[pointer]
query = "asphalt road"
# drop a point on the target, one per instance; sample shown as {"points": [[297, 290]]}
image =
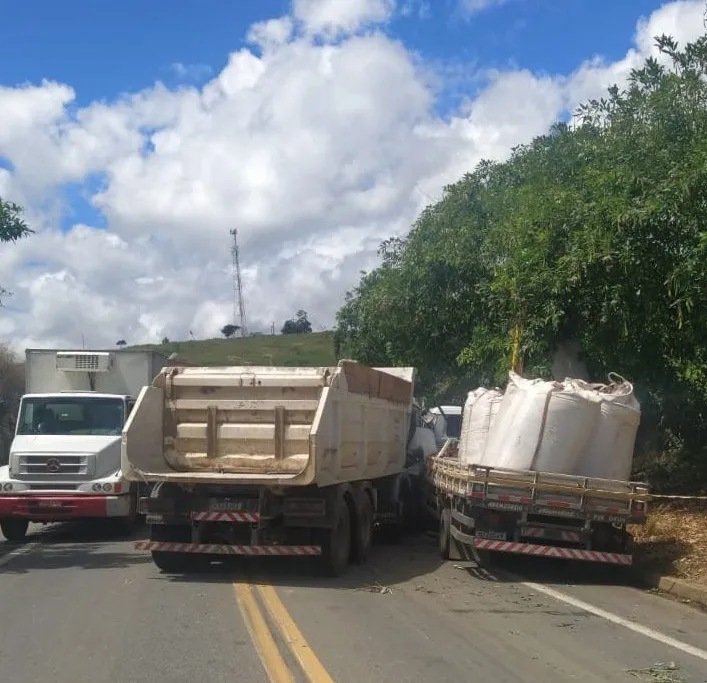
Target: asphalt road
{"points": [[77, 605]]}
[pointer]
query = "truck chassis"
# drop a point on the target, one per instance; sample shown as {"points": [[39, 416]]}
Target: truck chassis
{"points": [[192, 526], [483, 510]]}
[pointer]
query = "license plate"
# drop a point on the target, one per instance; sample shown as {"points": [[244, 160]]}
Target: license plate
{"points": [[492, 535], [228, 505], [50, 504]]}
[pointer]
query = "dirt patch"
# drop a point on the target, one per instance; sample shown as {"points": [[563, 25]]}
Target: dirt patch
{"points": [[673, 542]]}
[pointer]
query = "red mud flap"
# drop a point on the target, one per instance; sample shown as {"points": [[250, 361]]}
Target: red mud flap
{"points": [[552, 551], [222, 549]]}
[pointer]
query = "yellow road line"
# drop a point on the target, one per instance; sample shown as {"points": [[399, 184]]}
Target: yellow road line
{"points": [[299, 647], [275, 667]]}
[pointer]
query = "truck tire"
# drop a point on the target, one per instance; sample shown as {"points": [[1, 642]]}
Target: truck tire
{"points": [[445, 534], [14, 530], [176, 563], [336, 548], [364, 530], [179, 563]]}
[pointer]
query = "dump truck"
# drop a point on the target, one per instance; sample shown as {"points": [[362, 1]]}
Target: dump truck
{"points": [[298, 461], [64, 461]]}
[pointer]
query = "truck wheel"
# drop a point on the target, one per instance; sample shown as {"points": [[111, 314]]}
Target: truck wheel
{"points": [[445, 537], [179, 563], [14, 530], [176, 563], [336, 550], [364, 530]]}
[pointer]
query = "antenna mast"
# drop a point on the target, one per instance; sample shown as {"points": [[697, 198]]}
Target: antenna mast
{"points": [[238, 299]]}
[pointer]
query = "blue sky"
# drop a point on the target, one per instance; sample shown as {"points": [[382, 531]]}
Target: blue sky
{"points": [[104, 48], [271, 147]]}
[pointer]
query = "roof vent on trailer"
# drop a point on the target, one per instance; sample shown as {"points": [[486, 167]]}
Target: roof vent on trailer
{"points": [[83, 361]]}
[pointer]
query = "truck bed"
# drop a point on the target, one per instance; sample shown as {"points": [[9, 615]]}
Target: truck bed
{"points": [[270, 425], [539, 493]]}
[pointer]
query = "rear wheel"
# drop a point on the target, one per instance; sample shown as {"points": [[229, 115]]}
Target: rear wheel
{"points": [[176, 562], [445, 537], [14, 530], [364, 530], [336, 550]]}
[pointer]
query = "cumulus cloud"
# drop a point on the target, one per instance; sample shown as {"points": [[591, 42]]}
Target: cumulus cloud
{"points": [[316, 150], [471, 7], [333, 17]]}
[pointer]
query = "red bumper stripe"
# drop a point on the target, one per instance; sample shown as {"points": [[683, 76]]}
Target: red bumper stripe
{"points": [[222, 549], [49, 508], [553, 551]]}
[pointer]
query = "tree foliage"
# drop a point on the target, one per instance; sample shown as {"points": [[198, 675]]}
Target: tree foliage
{"points": [[593, 234], [12, 228], [297, 325], [229, 330]]}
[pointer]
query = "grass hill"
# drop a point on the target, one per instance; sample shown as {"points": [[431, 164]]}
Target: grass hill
{"points": [[316, 348]]}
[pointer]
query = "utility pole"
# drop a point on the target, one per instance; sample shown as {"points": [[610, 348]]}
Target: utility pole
{"points": [[238, 298]]}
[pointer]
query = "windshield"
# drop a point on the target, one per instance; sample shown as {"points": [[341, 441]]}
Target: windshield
{"points": [[71, 416], [454, 425]]}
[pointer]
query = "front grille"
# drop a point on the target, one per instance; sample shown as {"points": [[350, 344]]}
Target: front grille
{"points": [[53, 465], [56, 486]]}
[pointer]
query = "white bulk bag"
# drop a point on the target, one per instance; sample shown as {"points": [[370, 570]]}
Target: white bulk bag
{"points": [[609, 454], [516, 428], [571, 421], [480, 409], [542, 425]]}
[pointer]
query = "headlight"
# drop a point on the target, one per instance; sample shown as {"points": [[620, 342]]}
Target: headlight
{"points": [[107, 487], [7, 486], [96, 487]]}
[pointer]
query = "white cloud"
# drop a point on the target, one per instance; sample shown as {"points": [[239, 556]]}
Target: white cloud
{"points": [[191, 72], [315, 151], [471, 7], [332, 17]]}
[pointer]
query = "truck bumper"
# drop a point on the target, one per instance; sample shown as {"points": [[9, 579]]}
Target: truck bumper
{"points": [[553, 551], [48, 508]]}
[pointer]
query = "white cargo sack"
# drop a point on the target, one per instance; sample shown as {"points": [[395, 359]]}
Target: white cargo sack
{"points": [[480, 409], [542, 426], [609, 454]]}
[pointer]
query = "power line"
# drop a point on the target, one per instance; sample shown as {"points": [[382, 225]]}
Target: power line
{"points": [[238, 298]]}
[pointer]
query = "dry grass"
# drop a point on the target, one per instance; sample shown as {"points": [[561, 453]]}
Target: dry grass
{"points": [[674, 541]]}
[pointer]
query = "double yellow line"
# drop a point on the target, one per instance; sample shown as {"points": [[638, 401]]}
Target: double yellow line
{"points": [[268, 651]]}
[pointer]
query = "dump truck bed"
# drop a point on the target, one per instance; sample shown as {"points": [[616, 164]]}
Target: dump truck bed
{"points": [[269, 425]]}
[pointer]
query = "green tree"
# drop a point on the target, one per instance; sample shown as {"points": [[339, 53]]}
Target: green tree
{"points": [[229, 330], [12, 228], [593, 233], [298, 325]]}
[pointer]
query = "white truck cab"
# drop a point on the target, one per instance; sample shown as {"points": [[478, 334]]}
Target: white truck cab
{"points": [[448, 422], [64, 461]]}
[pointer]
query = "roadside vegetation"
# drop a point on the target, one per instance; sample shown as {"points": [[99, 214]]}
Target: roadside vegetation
{"points": [[314, 348], [592, 237]]}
